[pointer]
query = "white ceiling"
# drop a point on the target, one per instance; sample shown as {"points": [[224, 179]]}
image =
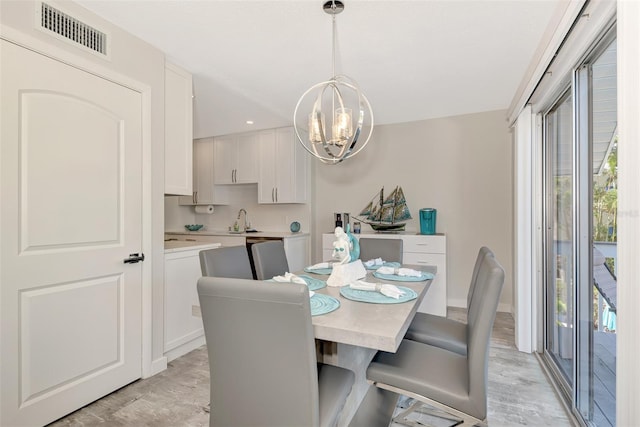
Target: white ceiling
{"points": [[414, 60]]}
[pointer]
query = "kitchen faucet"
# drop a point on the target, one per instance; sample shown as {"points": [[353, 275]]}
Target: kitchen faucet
{"points": [[247, 224]]}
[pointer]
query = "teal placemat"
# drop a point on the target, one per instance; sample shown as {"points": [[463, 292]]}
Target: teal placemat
{"points": [[384, 264], [425, 276], [323, 304], [325, 271], [376, 297], [314, 284]]}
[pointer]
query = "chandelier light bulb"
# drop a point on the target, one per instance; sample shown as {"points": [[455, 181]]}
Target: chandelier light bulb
{"points": [[316, 127], [342, 130]]}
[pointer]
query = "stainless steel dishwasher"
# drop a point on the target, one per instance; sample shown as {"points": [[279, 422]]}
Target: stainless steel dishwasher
{"points": [[253, 240]]}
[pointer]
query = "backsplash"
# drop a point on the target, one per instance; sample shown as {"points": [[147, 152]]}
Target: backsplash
{"points": [[263, 217]]}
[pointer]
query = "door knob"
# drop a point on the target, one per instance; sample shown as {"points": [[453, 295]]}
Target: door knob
{"points": [[134, 258]]}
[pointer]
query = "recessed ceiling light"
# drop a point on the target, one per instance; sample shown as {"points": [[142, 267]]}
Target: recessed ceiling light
{"points": [[249, 122]]}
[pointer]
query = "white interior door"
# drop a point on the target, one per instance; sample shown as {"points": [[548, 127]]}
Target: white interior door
{"points": [[71, 187]]}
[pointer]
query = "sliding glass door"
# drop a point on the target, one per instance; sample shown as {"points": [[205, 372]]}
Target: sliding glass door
{"points": [[580, 145], [596, 108], [559, 240]]}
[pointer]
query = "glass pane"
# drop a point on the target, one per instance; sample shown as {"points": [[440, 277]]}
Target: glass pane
{"points": [[560, 271], [596, 394]]}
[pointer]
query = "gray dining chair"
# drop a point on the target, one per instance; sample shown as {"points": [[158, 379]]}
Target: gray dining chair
{"points": [[262, 356], [442, 332], [231, 261], [269, 259], [448, 381], [390, 250]]}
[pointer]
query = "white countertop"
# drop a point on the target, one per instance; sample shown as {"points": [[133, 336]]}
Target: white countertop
{"points": [[179, 246], [277, 234]]}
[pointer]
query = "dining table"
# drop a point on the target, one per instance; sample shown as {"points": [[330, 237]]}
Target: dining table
{"points": [[351, 334]]}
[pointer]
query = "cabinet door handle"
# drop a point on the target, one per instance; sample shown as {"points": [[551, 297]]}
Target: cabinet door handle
{"points": [[195, 196], [273, 198], [276, 194]]}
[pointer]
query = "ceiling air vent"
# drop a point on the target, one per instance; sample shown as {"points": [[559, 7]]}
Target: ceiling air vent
{"points": [[70, 28]]}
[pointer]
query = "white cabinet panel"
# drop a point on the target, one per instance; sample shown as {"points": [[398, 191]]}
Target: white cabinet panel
{"points": [[236, 159], [247, 160], [183, 329], [204, 192], [224, 154], [424, 244], [182, 271], [178, 131], [435, 301], [284, 167]]}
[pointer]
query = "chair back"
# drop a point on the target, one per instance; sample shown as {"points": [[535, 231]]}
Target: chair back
{"points": [[390, 250], [231, 261], [261, 353], [269, 259], [481, 315], [484, 251]]}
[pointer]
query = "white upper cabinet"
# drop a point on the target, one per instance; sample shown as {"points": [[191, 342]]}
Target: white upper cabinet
{"points": [[284, 167], [178, 131], [236, 159], [204, 192]]}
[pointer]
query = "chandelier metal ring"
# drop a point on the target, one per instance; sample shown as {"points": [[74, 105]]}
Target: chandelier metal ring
{"points": [[326, 155], [344, 140]]}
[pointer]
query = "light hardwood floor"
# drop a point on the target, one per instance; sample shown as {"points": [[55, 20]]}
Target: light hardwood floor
{"points": [[519, 392]]}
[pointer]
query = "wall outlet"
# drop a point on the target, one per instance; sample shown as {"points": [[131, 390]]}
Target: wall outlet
{"points": [[195, 311]]}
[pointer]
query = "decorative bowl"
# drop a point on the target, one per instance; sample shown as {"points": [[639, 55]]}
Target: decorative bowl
{"points": [[193, 227]]}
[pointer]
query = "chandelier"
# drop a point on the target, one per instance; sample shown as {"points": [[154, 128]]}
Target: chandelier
{"points": [[347, 110]]}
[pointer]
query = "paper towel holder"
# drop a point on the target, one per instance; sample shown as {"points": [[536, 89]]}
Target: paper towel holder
{"points": [[204, 209]]}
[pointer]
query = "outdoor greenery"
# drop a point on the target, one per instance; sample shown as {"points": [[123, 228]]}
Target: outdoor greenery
{"points": [[605, 200], [605, 210]]}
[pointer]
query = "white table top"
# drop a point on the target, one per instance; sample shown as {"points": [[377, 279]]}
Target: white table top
{"points": [[376, 326]]}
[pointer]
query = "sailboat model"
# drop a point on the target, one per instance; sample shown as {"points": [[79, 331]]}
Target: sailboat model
{"points": [[386, 214]]}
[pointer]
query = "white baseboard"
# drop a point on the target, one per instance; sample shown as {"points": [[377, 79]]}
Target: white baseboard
{"points": [[157, 366], [459, 303], [184, 348]]}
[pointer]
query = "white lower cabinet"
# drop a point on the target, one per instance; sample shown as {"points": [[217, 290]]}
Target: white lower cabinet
{"points": [[183, 330], [417, 249]]}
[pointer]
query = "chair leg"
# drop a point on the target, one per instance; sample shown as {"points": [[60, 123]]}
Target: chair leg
{"points": [[421, 408], [438, 410]]}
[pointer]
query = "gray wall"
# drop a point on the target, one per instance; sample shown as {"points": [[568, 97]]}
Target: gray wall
{"points": [[461, 165]]}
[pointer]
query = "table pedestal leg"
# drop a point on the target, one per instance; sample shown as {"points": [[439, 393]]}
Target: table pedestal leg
{"points": [[350, 357]]}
